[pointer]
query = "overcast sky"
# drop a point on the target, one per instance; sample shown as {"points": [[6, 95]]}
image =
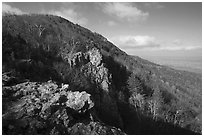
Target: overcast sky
{"points": [[143, 29]]}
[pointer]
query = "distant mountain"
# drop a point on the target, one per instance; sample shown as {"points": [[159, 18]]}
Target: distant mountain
{"points": [[191, 64], [61, 78]]}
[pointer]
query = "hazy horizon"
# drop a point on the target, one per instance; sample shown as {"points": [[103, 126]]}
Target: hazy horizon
{"points": [[180, 63]]}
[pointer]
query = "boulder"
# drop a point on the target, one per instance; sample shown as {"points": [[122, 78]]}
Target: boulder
{"points": [[79, 101]]}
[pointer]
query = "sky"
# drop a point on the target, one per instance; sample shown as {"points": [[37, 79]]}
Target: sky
{"points": [[168, 29]]}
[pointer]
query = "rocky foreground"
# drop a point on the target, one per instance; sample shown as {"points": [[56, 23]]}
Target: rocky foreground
{"points": [[48, 108]]}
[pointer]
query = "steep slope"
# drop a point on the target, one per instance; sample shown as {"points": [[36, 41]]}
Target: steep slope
{"points": [[135, 95]]}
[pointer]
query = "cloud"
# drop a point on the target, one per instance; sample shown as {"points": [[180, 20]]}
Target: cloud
{"points": [[70, 14], [173, 47], [136, 42], [181, 47], [67, 13], [177, 42], [155, 5], [11, 10], [111, 23], [125, 11], [150, 43]]}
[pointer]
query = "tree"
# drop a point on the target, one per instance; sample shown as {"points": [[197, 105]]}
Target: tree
{"points": [[134, 84], [155, 103], [137, 100]]}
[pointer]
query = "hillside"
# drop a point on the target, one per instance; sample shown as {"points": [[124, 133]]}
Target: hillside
{"points": [[47, 62]]}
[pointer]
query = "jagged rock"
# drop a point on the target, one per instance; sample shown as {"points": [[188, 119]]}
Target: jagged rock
{"points": [[24, 89], [48, 88], [91, 65], [79, 58], [40, 105], [96, 70], [46, 108], [79, 101], [95, 57], [64, 87], [76, 59], [93, 128]]}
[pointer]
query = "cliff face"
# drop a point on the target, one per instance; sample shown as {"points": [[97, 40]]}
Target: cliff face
{"points": [[60, 78], [91, 65]]}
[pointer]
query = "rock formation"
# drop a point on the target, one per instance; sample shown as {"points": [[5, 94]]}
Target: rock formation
{"points": [[91, 64], [46, 108]]}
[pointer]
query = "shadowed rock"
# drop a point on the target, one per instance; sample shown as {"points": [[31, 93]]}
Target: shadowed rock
{"points": [[45, 108]]}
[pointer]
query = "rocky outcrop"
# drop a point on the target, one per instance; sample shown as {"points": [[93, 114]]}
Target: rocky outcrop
{"points": [[77, 59], [79, 101], [94, 128], [47, 108], [95, 57], [97, 70], [92, 66]]}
